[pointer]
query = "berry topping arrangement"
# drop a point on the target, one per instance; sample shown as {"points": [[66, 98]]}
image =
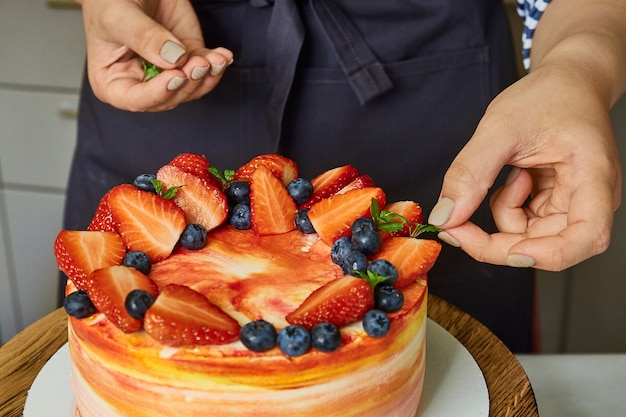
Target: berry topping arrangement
{"points": [[374, 246]]}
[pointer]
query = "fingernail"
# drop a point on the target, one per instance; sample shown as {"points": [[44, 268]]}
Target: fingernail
{"points": [[217, 69], [199, 72], [441, 212], [175, 83], [520, 261], [445, 237], [171, 51], [512, 175]]}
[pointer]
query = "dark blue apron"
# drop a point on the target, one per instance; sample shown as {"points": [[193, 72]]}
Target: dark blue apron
{"points": [[395, 87]]}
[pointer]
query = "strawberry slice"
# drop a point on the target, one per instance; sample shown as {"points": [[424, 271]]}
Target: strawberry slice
{"points": [[340, 302], [330, 182], [182, 316], [103, 219], [197, 165], [283, 168], [147, 222], [361, 181], [272, 210], [79, 253], [410, 210], [332, 218], [108, 288], [202, 202], [412, 257]]}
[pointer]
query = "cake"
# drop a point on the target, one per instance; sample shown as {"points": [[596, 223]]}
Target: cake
{"points": [[195, 292]]}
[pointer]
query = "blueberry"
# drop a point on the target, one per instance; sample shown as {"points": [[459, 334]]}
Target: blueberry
{"points": [[376, 323], [138, 302], [362, 224], [258, 336], [340, 249], [303, 223], [78, 304], [300, 190], [193, 237], [240, 217], [367, 241], [325, 337], [388, 298], [384, 268], [138, 260], [144, 182], [355, 261], [294, 340], [238, 192]]}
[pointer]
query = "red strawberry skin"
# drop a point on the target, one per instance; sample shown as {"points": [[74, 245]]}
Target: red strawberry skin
{"points": [[182, 316], [412, 257], [332, 217], [79, 253], [147, 222], [330, 182], [103, 219], [197, 165], [361, 181], [272, 210], [281, 167], [202, 202], [340, 302], [108, 288]]}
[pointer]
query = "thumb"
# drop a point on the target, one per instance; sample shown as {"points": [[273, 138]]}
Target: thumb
{"points": [[467, 181]]}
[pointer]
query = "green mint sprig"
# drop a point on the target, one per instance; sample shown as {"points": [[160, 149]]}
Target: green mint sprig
{"points": [[372, 278], [385, 221], [150, 70], [225, 177], [167, 193]]}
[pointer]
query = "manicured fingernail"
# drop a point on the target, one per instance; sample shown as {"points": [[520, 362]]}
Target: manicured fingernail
{"points": [[520, 261], [217, 69], [171, 51], [445, 237], [512, 175], [198, 73], [441, 212], [175, 83]]}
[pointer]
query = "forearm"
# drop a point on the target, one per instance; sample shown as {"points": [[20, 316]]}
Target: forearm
{"points": [[586, 39]]}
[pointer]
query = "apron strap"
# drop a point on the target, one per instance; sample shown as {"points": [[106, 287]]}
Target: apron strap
{"points": [[365, 73]]}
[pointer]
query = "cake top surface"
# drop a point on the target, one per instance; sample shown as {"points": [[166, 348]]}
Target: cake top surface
{"points": [[192, 257]]}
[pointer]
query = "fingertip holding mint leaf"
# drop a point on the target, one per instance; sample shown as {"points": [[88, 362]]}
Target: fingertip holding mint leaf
{"points": [[150, 70]]}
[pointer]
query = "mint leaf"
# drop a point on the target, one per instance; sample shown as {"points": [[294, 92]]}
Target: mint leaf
{"points": [[372, 278], [167, 193], [424, 228], [150, 70], [225, 176]]}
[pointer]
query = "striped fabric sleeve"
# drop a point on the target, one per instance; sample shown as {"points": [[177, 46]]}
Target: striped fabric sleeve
{"points": [[530, 11]]}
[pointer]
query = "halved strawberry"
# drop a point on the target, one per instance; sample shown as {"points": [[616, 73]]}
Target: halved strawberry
{"points": [[332, 217], [331, 181], [197, 165], [283, 168], [147, 222], [108, 288], [202, 202], [340, 301], [182, 316], [80, 252], [272, 210], [361, 181], [102, 219], [412, 257], [410, 210]]}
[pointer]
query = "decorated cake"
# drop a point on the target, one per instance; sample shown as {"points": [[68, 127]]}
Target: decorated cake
{"points": [[247, 292]]}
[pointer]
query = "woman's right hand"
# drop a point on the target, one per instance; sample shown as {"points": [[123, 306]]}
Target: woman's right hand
{"points": [[123, 34]]}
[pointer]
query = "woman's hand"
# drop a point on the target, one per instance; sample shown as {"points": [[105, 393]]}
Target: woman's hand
{"points": [[553, 126], [123, 34]]}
